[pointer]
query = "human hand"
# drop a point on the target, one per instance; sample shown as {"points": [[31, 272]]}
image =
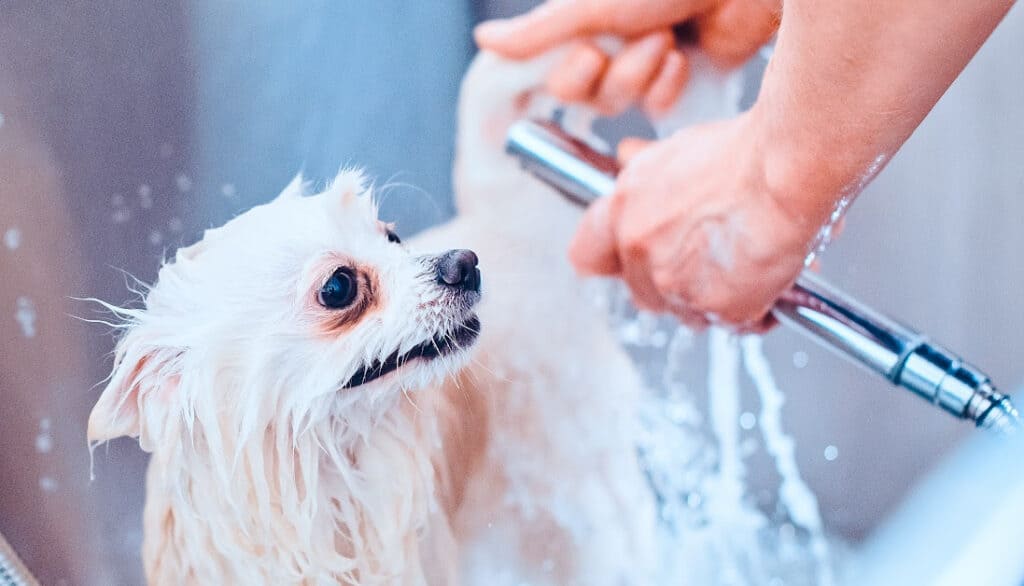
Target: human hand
{"points": [[649, 69], [702, 224]]}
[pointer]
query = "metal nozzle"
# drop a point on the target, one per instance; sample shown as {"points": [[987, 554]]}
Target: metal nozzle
{"points": [[902, 355], [996, 412], [562, 161], [813, 307]]}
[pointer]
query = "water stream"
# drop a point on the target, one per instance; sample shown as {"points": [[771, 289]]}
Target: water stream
{"points": [[698, 435], [694, 447]]}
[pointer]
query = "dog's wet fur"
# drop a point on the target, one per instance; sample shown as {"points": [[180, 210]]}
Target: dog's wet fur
{"points": [[411, 435]]}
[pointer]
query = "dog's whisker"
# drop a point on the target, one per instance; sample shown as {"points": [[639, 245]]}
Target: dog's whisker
{"points": [[490, 371], [387, 189], [408, 398], [476, 361]]}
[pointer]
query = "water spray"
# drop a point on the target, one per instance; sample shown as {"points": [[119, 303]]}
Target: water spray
{"points": [[811, 306]]}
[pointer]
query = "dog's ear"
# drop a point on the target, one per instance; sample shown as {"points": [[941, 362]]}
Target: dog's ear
{"points": [[295, 189], [348, 186], [349, 193], [136, 399]]}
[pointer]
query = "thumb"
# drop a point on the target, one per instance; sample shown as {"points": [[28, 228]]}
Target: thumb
{"points": [[735, 31], [593, 250], [630, 147], [546, 26]]}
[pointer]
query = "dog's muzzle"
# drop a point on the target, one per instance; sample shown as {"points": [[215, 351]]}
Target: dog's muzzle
{"points": [[458, 269], [457, 272]]}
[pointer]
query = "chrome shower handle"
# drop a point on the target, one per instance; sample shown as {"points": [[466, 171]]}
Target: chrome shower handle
{"points": [[811, 306]]}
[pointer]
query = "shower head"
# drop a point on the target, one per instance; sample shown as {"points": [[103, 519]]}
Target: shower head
{"points": [[812, 306]]}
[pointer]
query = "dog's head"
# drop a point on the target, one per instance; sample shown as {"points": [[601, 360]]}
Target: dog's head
{"points": [[300, 299]]}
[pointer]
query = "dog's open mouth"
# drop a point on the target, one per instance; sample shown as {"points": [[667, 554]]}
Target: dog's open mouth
{"points": [[462, 336]]}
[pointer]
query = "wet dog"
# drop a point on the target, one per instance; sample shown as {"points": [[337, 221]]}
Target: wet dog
{"points": [[277, 372], [302, 381]]}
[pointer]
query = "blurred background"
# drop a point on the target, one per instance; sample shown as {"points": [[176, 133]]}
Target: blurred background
{"points": [[129, 126]]}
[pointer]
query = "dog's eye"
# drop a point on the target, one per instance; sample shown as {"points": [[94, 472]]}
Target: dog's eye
{"points": [[392, 237], [339, 291]]}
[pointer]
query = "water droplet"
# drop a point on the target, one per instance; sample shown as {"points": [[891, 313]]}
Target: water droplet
{"points": [[166, 150], [48, 484], [121, 215], [117, 200], [25, 314], [2, 119], [694, 500], [44, 423], [227, 190], [175, 224], [156, 237], [44, 443], [831, 453], [800, 359], [183, 182], [145, 190], [548, 565], [748, 420], [12, 238]]}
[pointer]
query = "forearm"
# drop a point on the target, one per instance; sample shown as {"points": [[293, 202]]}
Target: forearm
{"points": [[850, 81]]}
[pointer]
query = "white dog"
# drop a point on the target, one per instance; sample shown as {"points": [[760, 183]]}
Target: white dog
{"points": [[267, 374], [278, 374]]}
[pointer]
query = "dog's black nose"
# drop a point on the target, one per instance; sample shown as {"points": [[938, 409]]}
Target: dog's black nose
{"points": [[457, 268]]}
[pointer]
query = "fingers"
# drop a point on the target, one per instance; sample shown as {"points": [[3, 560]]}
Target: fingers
{"points": [[546, 26], [730, 33], [558, 21], [593, 249], [668, 85], [631, 72], [636, 273], [737, 29], [649, 70], [577, 76]]}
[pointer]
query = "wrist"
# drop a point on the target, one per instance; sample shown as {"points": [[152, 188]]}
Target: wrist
{"points": [[806, 171]]}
